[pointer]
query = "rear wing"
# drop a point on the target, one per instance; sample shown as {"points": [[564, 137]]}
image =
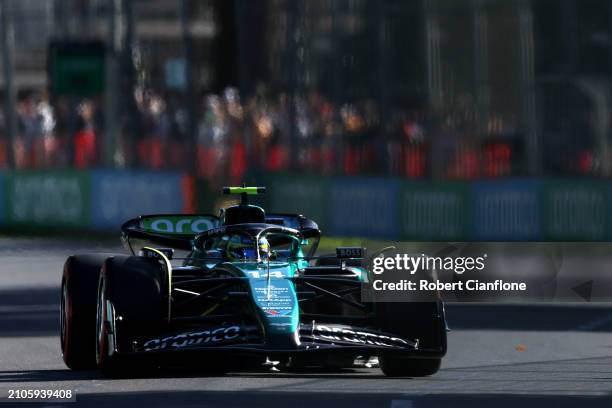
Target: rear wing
{"points": [[168, 230], [178, 230]]}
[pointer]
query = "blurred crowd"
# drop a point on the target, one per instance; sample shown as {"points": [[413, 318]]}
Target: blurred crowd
{"points": [[52, 135], [266, 131]]}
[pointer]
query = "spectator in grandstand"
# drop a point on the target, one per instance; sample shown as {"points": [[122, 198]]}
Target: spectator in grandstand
{"points": [[85, 143], [29, 132], [49, 146]]}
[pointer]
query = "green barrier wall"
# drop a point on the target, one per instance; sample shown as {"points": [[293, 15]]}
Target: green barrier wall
{"points": [[549, 210], [49, 199], [545, 210], [575, 210], [433, 211]]}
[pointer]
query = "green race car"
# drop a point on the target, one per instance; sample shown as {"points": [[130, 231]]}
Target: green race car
{"points": [[233, 292]]}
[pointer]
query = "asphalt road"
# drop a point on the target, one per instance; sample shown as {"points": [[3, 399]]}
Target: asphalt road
{"points": [[499, 355]]}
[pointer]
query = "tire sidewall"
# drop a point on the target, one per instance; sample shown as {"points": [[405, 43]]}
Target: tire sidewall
{"points": [[78, 300], [131, 287]]}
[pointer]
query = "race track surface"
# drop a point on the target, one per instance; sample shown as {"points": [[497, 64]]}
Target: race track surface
{"points": [[499, 356]]}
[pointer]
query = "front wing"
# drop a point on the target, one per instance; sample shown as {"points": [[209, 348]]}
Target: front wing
{"points": [[316, 340]]}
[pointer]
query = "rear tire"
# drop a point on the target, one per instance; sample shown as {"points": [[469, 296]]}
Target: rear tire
{"points": [[78, 310], [409, 367], [129, 302]]}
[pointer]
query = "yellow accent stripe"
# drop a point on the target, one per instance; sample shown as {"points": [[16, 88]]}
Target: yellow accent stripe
{"points": [[212, 308], [209, 310], [169, 269]]}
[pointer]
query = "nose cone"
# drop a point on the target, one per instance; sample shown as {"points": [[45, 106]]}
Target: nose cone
{"points": [[277, 306]]}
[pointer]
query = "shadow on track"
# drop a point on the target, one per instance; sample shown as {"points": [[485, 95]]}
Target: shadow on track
{"points": [[265, 399], [29, 312], [56, 376], [184, 372]]}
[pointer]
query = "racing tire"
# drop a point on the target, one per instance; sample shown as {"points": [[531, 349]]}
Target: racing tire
{"points": [[129, 301], [392, 366], [424, 321], [78, 310]]}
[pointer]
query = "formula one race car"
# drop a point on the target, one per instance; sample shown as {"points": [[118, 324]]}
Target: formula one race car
{"points": [[248, 291]]}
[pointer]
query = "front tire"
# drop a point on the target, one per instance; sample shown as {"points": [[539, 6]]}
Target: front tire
{"points": [[129, 302], [409, 367], [424, 321], [78, 310]]}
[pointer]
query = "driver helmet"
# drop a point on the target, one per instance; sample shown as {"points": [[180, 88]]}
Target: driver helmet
{"points": [[264, 248]]}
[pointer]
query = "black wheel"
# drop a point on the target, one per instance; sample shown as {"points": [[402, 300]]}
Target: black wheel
{"points": [[78, 310], [422, 321], [129, 301], [393, 366]]}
